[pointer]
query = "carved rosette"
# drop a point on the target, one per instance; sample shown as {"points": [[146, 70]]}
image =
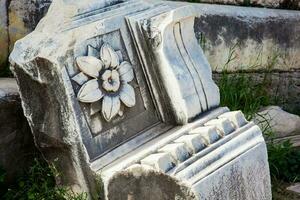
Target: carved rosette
{"points": [[108, 87]]}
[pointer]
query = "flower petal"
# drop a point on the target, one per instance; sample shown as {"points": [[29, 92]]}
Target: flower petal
{"points": [[109, 57], [115, 75], [110, 107], [127, 95], [92, 51], [89, 65], [115, 85], [90, 92], [80, 78], [96, 107], [121, 111], [126, 71]]}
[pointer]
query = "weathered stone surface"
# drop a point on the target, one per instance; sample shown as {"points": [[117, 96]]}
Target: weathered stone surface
{"points": [[122, 90], [221, 169], [140, 182], [23, 16], [4, 42], [281, 122], [249, 37], [17, 148], [241, 178]]}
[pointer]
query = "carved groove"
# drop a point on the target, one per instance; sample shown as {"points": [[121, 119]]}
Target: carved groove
{"points": [[184, 55]]}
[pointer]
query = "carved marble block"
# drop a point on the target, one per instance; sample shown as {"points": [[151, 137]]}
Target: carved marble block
{"points": [[122, 91]]}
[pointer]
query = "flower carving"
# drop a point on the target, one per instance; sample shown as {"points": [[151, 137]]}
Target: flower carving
{"points": [[108, 81]]}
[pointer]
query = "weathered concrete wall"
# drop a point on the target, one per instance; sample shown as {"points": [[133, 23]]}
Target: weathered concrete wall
{"points": [[17, 148], [283, 4], [253, 38]]}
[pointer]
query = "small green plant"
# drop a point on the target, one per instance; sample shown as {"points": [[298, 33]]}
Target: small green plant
{"points": [[284, 161], [39, 183], [239, 92]]}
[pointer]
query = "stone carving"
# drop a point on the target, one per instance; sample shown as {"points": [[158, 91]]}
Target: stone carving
{"points": [[174, 142], [109, 83]]}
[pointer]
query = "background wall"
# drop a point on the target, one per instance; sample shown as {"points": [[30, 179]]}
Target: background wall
{"points": [[283, 4], [17, 18]]}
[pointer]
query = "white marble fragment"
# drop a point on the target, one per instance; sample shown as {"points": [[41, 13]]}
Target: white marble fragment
{"points": [[209, 133], [225, 126], [160, 161], [236, 117], [194, 142], [177, 150]]}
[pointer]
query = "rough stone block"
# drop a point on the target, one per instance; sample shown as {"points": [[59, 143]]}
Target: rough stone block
{"points": [[281, 122], [17, 148], [114, 89], [248, 37]]}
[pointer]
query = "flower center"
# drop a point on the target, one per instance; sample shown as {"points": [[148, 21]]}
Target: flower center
{"points": [[111, 80]]}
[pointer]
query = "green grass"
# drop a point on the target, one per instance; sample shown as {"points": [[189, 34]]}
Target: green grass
{"points": [[38, 183], [284, 161], [239, 92]]}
